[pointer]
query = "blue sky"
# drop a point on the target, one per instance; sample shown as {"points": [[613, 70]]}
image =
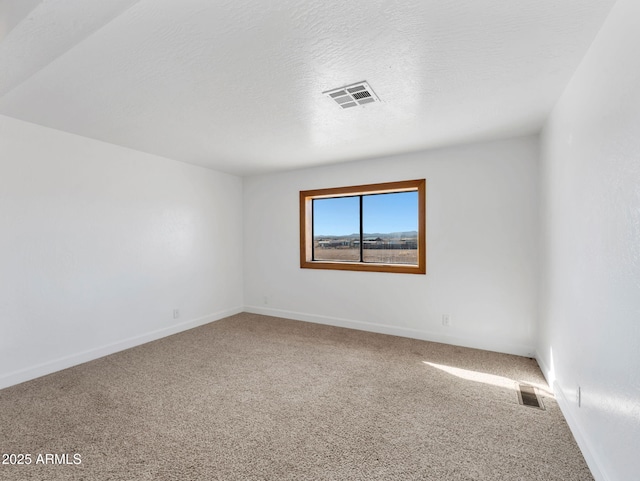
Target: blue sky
{"points": [[383, 213]]}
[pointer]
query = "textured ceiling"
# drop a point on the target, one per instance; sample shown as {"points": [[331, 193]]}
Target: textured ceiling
{"points": [[237, 85]]}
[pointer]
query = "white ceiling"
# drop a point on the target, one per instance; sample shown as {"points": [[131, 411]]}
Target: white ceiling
{"points": [[236, 85]]}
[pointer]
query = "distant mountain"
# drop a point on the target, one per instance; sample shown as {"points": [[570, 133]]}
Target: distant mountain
{"points": [[406, 235]]}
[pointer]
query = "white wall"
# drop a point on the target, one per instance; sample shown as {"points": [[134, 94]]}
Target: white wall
{"points": [[481, 249], [99, 244], [590, 283]]}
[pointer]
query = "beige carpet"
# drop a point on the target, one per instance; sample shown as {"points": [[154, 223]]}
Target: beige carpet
{"points": [[260, 398]]}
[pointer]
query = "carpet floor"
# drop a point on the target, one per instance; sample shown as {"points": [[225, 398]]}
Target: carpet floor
{"points": [[252, 397]]}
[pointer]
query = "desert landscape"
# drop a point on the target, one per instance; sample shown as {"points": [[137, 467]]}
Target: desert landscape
{"points": [[386, 256], [384, 248]]}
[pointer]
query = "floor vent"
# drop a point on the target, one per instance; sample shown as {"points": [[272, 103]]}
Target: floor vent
{"points": [[527, 396], [352, 95]]}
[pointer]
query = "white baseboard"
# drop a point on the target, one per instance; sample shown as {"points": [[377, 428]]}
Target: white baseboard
{"points": [[65, 362], [588, 452], [476, 342]]}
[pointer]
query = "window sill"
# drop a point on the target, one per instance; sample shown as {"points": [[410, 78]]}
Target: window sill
{"points": [[363, 266]]}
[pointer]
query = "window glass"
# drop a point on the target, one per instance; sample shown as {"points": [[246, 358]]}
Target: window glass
{"points": [[390, 228], [336, 227]]}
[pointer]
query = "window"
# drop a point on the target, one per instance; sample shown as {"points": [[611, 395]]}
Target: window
{"points": [[377, 227]]}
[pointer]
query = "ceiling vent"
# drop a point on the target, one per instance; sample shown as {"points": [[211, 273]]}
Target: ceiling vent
{"points": [[352, 95]]}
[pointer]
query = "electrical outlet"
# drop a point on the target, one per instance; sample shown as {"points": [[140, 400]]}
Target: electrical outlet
{"points": [[579, 396], [176, 313], [446, 320]]}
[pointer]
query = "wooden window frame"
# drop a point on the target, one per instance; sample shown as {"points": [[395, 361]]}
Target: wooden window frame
{"points": [[306, 227]]}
